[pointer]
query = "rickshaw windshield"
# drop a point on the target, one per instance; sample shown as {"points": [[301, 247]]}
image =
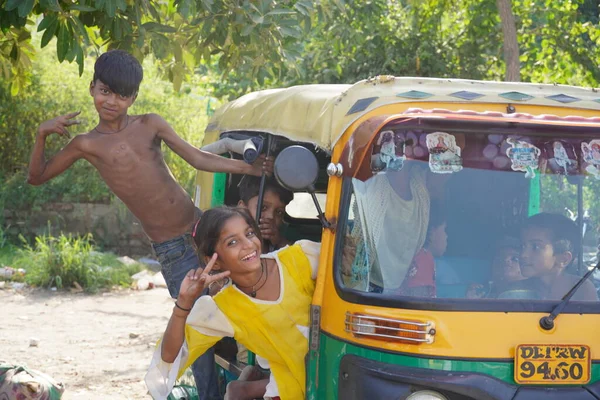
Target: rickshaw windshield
{"points": [[496, 214]]}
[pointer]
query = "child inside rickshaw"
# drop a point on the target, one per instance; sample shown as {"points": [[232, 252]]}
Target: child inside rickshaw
{"points": [[420, 278], [548, 247]]}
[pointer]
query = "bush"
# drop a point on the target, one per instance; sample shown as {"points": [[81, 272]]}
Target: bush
{"points": [[67, 261]]}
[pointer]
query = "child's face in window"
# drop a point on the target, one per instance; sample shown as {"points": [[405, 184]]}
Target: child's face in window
{"points": [[537, 254], [273, 208], [506, 265], [438, 240]]}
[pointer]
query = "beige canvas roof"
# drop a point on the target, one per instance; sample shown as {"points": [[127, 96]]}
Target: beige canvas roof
{"points": [[321, 113]]}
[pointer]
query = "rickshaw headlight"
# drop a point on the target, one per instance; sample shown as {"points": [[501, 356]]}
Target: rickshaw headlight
{"points": [[426, 395]]}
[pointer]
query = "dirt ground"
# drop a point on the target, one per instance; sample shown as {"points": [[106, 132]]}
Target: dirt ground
{"points": [[98, 345]]}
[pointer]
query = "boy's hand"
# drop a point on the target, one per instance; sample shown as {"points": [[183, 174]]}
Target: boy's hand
{"points": [[262, 164], [59, 125], [196, 281], [268, 230]]}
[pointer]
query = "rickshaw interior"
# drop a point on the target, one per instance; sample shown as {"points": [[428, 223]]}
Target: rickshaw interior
{"points": [[485, 178], [300, 220]]}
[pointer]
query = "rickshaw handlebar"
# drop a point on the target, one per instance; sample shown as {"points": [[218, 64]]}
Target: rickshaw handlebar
{"points": [[247, 148]]}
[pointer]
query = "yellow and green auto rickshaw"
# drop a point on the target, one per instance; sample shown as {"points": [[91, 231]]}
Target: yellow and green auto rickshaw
{"points": [[474, 316]]}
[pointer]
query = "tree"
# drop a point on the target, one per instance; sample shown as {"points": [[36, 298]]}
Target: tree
{"points": [[510, 43], [249, 37], [558, 41]]}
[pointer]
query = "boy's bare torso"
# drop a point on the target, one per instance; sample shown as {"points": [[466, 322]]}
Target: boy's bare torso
{"points": [[132, 165]]}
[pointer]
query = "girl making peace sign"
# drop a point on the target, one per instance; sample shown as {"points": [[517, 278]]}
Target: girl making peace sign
{"points": [[264, 305]]}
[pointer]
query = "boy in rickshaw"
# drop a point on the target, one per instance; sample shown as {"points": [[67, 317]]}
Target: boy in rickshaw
{"points": [[548, 246]]}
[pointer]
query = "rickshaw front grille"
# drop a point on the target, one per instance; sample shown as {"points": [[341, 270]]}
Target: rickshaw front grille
{"points": [[381, 328]]}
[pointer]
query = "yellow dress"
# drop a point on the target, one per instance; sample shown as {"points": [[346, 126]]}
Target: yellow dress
{"points": [[277, 331]]}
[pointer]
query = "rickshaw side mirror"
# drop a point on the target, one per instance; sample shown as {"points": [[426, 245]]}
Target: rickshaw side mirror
{"points": [[296, 168]]}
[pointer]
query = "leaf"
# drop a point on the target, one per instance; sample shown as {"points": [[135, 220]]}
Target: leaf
{"points": [[14, 53], [50, 5], [111, 8], [208, 4], [80, 60], [12, 5], [186, 8], [257, 19], [177, 79], [25, 7], [156, 27], [122, 5], [72, 53], [49, 33], [301, 9], [287, 31], [63, 42], [80, 28], [46, 22], [246, 30], [281, 11], [78, 7]]}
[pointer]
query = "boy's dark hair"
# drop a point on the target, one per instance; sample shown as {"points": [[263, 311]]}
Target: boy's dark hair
{"points": [[120, 71], [564, 233], [208, 229], [250, 186]]}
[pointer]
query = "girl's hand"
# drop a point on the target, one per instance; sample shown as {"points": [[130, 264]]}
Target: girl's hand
{"points": [[196, 281], [59, 125]]}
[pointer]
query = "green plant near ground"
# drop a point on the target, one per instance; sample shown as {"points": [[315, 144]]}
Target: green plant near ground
{"points": [[65, 261]]}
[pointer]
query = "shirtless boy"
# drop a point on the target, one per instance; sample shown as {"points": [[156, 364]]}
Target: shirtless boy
{"points": [[126, 151]]}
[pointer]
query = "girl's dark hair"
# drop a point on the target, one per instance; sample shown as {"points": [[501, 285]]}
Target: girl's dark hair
{"points": [[120, 71], [211, 224]]}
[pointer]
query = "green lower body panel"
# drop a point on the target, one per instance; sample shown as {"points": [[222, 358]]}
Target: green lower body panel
{"points": [[323, 370]]}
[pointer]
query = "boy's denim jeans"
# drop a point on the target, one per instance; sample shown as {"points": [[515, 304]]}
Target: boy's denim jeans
{"points": [[177, 256]]}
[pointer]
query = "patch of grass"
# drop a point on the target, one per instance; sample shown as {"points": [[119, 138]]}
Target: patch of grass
{"points": [[66, 261], [8, 254]]}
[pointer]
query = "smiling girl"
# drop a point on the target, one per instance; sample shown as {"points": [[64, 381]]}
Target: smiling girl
{"points": [[264, 305]]}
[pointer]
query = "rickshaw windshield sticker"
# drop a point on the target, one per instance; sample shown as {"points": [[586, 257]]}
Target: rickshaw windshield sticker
{"points": [[590, 153], [523, 156], [444, 153], [561, 157], [391, 154]]}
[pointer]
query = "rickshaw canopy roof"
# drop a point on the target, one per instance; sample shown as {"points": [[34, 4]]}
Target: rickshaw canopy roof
{"points": [[320, 114]]}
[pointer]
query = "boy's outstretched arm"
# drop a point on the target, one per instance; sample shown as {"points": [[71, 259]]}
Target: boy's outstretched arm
{"points": [[41, 170], [203, 160]]}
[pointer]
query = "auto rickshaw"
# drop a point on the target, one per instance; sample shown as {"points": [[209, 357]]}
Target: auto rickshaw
{"points": [[382, 157]]}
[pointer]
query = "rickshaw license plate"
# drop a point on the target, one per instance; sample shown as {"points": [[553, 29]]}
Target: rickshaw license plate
{"points": [[552, 364]]}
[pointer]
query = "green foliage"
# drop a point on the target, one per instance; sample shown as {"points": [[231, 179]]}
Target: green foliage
{"points": [[559, 41], [65, 261], [248, 37], [57, 90]]}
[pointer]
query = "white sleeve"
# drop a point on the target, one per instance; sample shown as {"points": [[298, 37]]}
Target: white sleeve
{"points": [[161, 376], [313, 252], [205, 318]]}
